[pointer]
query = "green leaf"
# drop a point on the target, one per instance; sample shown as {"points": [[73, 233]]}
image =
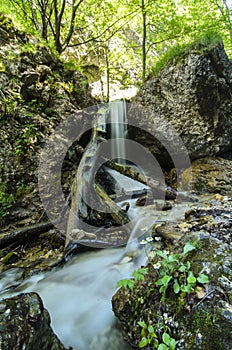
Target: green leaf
{"points": [[142, 324], [166, 279], [143, 342], [191, 278], [188, 248], [166, 338], [182, 268], [202, 278], [173, 258], [151, 329], [172, 344], [176, 287], [140, 273], [126, 283], [186, 289], [162, 347]]}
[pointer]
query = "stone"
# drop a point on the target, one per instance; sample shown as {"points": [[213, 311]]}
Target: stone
{"points": [[192, 96], [25, 324], [209, 175], [202, 320]]}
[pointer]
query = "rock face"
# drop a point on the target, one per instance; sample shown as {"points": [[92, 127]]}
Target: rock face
{"points": [[25, 324], [209, 175], [193, 96], [38, 91]]}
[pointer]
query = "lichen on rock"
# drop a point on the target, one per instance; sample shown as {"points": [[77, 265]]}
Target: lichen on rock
{"points": [[25, 324]]}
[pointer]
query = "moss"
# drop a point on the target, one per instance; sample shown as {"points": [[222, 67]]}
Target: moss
{"points": [[6, 23], [178, 52], [205, 331], [6, 201]]}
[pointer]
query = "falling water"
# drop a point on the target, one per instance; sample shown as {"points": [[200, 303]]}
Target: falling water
{"points": [[118, 125]]}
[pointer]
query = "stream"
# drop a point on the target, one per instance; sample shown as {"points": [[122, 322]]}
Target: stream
{"points": [[78, 295]]}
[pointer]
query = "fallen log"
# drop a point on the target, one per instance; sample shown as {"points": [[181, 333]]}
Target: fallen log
{"points": [[86, 192], [119, 215], [22, 234], [129, 195], [160, 189]]}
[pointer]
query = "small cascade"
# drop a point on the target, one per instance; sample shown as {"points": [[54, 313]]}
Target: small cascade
{"points": [[118, 127]]}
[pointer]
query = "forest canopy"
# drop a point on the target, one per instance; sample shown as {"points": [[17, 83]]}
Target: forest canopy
{"points": [[122, 42]]}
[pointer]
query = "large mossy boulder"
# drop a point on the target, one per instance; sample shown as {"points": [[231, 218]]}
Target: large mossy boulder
{"points": [[25, 324], [191, 95]]}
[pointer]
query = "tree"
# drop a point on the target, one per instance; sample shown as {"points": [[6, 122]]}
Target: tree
{"points": [[48, 17]]}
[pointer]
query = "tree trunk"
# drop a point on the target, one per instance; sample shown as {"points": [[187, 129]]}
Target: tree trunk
{"points": [[117, 213], [29, 232]]}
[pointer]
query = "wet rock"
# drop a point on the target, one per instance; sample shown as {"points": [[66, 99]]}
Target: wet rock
{"points": [[209, 175], [191, 95], [32, 254], [25, 324], [202, 319]]}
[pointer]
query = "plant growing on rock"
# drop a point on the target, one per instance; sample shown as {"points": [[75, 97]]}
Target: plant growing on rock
{"points": [[174, 278], [138, 275], [176, 273], [6, 201], [150, 337]]}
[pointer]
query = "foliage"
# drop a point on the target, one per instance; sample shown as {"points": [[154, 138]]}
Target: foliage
{"points": [[6, 201], [174, 272], [124, 40], [150, 337], [174, 276], [203, 42], [27, 137], [137, 275]]}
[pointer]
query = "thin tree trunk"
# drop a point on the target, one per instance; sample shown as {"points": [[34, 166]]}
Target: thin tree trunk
{"points": [[144, 19]]}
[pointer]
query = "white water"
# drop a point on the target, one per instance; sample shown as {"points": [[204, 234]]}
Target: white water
{"points": [[118, 123], [78, 297]]}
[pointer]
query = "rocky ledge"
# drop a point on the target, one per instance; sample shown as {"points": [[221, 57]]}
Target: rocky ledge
{"points": [[189, 99]]}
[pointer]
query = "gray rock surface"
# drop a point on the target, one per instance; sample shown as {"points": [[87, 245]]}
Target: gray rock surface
{"points": [[193, 96], [25, 324]]}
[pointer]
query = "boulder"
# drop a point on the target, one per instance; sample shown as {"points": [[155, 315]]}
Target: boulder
{"points": [[25, 324], [201, 319], [192, 95]]}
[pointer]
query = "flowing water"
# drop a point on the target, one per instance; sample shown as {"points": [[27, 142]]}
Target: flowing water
{"points": [[118, 123], [78, 295]]}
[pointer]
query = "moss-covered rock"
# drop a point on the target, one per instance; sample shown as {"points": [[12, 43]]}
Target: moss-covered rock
{"points": [[37, 93], [200, 317], [25, 324]]}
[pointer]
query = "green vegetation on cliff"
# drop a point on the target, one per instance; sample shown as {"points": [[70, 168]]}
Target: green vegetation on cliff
{"points": [[117, 42]]}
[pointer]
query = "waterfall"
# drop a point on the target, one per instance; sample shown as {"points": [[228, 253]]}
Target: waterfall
{"points": [[118, 128]]}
